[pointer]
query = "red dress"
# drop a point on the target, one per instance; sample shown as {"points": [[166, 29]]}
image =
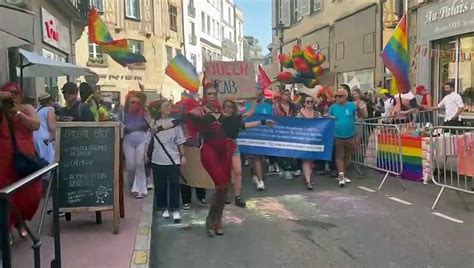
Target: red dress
{"points": [[26, 200], [217, 149]]}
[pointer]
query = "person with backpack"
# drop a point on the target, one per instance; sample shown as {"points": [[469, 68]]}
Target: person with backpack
{"points": [[74, 109]]}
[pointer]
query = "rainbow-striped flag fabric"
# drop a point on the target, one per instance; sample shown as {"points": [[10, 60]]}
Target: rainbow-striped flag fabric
{"points": [[183, 72], [395, 57], [118, 50]]}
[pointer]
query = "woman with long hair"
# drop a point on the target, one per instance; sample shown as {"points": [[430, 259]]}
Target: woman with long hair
{"points": [[134, 143], [308, 111], [167, 158], [217, 150], [18, 121]]}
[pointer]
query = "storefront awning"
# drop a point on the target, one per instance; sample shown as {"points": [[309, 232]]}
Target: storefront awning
{"points": [[35, 65], [7, 40]]}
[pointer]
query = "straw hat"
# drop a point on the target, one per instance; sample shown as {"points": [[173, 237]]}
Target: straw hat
{"points": [[44, 97]]}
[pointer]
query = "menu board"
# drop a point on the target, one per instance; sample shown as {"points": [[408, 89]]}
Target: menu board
{"points": [[88, 157]]}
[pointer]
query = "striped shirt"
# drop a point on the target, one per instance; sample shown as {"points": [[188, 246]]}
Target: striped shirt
{"points": [[171, 139]]}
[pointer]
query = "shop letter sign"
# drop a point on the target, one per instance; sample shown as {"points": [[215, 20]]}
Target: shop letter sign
{"points": [[50, 31]]}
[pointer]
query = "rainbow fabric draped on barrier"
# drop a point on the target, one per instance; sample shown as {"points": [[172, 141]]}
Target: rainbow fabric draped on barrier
{"points": [[118, 50], [395, 57], [388, 155]]}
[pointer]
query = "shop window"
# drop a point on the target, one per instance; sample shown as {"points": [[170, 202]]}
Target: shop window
{"points": [[98, 4], [135, 46], [173, 13], [453, 61], [132, 9]]}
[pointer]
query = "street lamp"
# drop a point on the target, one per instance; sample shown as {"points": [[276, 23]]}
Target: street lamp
{"points": [[280, 33]]}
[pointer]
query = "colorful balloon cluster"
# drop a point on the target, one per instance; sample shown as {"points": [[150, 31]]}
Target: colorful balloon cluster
{"points": [[307, 64]]}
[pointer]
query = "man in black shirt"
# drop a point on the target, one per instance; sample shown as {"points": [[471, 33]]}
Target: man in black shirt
{"points": [[74, 110]]}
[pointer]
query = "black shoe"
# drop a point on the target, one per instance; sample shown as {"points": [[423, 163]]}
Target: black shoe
{"points": [[228, 202], [239, 202]]}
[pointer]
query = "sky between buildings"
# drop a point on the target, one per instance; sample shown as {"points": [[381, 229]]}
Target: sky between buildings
{"points": [[257, 20]]}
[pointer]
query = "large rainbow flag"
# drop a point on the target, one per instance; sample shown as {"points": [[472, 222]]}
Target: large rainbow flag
{"points": [[118, 50], [184, 73], [395, 57]]}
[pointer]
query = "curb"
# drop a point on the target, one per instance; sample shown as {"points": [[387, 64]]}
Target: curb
{"points": [[141, 251]]}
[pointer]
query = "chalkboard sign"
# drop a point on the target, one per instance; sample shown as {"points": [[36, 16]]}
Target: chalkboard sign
{"points": [[88, 156]]}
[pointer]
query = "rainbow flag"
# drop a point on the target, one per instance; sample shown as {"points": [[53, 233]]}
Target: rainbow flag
{"points": [[118, 50], [395, 57], [184, 73]]}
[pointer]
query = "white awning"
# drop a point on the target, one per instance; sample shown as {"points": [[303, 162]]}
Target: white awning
{"points": [[39, 66], [7, 40]]}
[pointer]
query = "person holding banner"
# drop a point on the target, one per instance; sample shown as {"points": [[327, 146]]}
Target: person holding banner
{"points": [[217, 150], [308, 111]]}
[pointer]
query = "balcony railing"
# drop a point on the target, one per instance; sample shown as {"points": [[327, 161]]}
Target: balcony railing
{"points": [[191, 11], [82, 7]]}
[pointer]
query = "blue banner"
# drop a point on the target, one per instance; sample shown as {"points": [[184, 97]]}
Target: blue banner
{"points": [[299, 138]]}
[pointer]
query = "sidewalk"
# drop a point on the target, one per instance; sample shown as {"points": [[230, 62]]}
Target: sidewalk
{"points": [[85, 244]]}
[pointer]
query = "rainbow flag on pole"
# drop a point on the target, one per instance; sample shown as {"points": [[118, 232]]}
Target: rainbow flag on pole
{"points": [[184, 73], [395, 57], [118, 50]]}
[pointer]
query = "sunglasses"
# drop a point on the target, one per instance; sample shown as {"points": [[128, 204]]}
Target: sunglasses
{"points": [[339, 96], [309, 101], [212, 93]]}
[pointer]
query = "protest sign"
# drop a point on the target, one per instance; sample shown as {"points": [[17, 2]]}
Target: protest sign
{"points": [[193, 171], [233, 79], [292, 137]]}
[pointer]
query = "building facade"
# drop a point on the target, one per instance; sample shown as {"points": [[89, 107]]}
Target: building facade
{"points": [[443, 47], [49, 28], [253, 51], [154, 29], [212, 29], [239, 33], [349, 32]]}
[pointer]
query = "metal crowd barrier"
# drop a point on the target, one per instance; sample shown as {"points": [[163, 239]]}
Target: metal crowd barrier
{"points": [[379, 146], [7, 210], [452, 159]]}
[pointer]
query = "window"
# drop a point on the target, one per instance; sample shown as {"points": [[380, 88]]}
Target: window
{"points": [[208, 24], [218, 30], [169, 53], [213, 27], [136, 46], [98, 4], [203, 22], [316, 6], [173, 13], [95, 52], [193, 59], [132, 9], [178, 51]]}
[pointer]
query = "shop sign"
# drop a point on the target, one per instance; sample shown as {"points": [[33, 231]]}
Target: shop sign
{"points": [[120, 77], [55, 33], [447, 18]]}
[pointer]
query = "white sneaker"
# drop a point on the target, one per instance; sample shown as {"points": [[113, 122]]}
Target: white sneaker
{"points": [[260, 186], [166, 214], [256, 180], [176, 217], [271, 169], [347, 180], [277, 168], [342, 183], [298, 173], [150, 186], [288, 175], [246, 162]]}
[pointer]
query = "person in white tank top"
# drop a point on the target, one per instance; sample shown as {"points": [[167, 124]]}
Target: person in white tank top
{"points": [[45, 136]]}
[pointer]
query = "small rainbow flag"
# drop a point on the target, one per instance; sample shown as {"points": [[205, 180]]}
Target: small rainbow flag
{"points": [[395, 57], [117, 49], [184, 73]]}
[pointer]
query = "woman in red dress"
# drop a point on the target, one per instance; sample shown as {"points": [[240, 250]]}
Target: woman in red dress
{"points": [[217, 149], [23, 120]]}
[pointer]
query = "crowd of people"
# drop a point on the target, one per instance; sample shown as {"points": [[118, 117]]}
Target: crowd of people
{"points": [[155, 137]]}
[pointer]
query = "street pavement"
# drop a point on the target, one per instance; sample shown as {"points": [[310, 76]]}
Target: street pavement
{"points": [[289, 226]]}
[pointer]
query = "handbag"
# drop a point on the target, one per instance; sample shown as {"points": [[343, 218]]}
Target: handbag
{"points": [[24, 164]]}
